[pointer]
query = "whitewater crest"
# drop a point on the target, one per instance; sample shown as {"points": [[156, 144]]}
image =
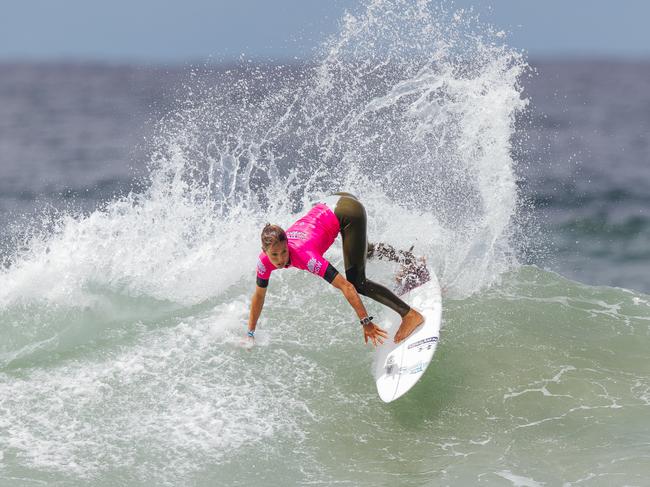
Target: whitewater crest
{"points": [[410, 106]]}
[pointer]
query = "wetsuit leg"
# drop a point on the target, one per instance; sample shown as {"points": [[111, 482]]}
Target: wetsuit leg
{"points": [[352, 218]]}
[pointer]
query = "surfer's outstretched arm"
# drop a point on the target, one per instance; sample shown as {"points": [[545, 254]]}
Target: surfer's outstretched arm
{"points": [[370, 330], [257, 303]]}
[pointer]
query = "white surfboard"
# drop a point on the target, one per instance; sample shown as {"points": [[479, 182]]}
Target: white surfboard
{"points": [[397, 367]]}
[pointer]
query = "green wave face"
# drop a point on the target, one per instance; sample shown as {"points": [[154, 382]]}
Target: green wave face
{"points": [[539, 380]]}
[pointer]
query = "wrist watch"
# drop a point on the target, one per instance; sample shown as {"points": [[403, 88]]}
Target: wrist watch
{"points": [[365, 321]]}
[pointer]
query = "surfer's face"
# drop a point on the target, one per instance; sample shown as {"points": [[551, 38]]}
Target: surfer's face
{"points": [[278, 254]]}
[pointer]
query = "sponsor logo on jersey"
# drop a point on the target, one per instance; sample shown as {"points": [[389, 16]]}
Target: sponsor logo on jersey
{"points": [[313, 265], [296, 235], [261, 268]]}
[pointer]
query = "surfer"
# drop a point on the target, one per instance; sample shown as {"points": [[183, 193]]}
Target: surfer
{"points": [[303, 245]]}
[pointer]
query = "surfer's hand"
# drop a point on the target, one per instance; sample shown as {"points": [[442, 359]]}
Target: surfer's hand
{"points": [[249, 340], [374, 333]]}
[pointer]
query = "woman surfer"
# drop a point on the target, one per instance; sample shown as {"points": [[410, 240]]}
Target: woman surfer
{"points": [[303, 245]]}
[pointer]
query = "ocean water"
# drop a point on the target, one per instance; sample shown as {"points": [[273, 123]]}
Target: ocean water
{"points": [[131, 198]]}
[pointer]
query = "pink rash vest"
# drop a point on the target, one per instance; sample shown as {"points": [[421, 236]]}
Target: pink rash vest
{"points": [[307, 240]]}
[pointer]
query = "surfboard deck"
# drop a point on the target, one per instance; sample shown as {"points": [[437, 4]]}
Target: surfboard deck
{"points": [[398, 367]]}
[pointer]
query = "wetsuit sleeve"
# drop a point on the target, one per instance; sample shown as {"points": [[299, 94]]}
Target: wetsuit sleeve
{"points": [[330, 273], [262, 282], [264, 268]]}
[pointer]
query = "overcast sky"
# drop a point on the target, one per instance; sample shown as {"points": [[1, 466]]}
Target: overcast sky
{"points": [[166, 31]]}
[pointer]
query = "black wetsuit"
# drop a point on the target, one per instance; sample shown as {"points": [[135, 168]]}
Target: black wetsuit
{"points": [[353, 221]]}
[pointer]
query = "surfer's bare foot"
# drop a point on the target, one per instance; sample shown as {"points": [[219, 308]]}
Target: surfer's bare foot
{"points": [[410, 322]]}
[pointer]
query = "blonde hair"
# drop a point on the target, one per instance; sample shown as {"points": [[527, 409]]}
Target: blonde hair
{"points": [[271, 234]]}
